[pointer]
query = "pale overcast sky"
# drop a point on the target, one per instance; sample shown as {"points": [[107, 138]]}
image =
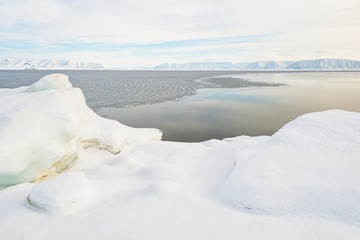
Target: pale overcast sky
{"points": [[121, 33]]}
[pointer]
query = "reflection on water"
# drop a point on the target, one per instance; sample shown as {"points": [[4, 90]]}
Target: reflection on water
{"points": [[220, 113]]}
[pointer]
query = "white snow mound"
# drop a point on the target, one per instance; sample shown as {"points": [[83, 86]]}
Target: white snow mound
{"points": [[63, 194], [42, 128], [52, 81], [310, 166]]}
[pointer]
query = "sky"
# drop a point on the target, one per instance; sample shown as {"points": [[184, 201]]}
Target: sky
{"points": [[145, 33]]}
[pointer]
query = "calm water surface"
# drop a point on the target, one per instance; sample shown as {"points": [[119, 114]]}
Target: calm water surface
{"points": [[220, 111]]}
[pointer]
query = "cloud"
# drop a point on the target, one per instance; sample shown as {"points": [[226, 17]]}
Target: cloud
{"points": [[293, 28]]}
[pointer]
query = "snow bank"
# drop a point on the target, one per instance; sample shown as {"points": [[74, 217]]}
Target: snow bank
{"points": [[310, 167], [42, 128], [63, 194]]}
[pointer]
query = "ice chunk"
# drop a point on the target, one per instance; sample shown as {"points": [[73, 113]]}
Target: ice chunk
{"points": [[52, 81], [43, 127], [310, 166], [63, 194]]}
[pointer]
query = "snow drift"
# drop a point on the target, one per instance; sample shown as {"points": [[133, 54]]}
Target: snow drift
{"points": [[309, 167], [42, 128], [63, 194]]}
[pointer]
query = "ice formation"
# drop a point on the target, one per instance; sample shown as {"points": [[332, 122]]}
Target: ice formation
{"points": [[63, 194], [52, 81], [310, 166], [42, 128]]}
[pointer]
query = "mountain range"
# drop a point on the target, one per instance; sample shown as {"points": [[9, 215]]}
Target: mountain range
{"points": [[46, 64], [318, 64], [199, 65]]}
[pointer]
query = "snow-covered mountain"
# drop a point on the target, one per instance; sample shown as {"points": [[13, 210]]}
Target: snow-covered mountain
{"points": [[264, 65], [199, 65], [43, 64], [318, 64], [325, 64]]}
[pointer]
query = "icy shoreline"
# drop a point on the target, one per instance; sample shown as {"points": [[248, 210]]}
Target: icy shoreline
{"points": [[300, 183]]}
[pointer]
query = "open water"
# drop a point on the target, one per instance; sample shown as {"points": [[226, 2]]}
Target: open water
{"points": [[193, 106]]}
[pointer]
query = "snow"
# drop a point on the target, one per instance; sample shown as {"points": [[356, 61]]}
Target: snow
{"points": [[42, 128], [63, 194], [309, 167], [52, 81], [300, 183]]}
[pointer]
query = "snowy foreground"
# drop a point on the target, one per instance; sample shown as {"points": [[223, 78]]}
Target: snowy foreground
{"points": [[118, 182]]}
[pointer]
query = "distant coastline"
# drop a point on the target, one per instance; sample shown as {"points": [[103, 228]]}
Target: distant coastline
{"points": [[304, 65], [318, 64], [47, 64]]}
